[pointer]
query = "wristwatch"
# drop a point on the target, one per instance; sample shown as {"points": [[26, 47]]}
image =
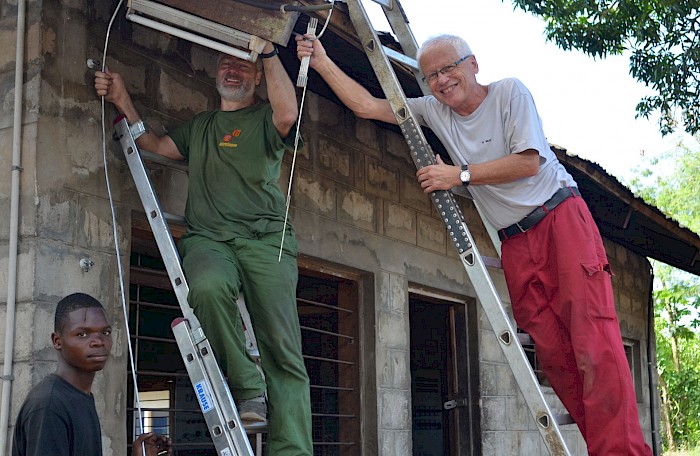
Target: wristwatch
{"points": [[465, 176], [137, 129], [272, 53]]}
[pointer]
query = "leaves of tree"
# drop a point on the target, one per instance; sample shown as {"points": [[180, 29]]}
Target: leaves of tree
{"points": [[671, 182], [660, 34]]}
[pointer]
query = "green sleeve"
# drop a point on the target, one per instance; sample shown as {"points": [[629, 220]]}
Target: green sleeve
{"points": [[181, 137]]}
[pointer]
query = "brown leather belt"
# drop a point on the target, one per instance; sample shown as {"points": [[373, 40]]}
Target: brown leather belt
{"points": [[538, 214]]}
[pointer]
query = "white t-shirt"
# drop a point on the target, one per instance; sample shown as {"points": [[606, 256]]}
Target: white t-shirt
{"points": [[506, 122]]}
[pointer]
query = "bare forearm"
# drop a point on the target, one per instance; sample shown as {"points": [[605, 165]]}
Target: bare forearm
{"points": [[507, 169], [282, 96], [147, 141], [352, 94], [111, 86], [503, 170], [161, 145]]}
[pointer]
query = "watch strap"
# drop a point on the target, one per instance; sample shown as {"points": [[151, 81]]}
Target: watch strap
{"points": [[137, 129], [272, 53], [463, 169]]}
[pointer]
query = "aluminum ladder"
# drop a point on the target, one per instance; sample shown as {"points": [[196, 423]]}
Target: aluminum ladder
{"points": [[212, 392], [422, 155]]}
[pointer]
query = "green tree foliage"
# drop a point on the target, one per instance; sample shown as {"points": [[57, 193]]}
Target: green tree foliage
{"points": [[660, 34], [678, 357], [672, 183]]}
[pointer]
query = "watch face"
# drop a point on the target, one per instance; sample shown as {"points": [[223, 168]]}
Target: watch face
{"points": [[464, 176]]}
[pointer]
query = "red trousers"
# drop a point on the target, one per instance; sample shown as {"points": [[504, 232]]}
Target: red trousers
{"points": [[559, 283]]}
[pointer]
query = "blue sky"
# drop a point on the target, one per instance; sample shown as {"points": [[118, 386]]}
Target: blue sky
{"points": [[586, 105]]}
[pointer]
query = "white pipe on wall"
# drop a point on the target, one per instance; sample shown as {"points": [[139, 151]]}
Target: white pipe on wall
{"points": [[14, 230]]}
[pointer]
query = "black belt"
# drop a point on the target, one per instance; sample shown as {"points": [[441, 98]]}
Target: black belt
{"points": [[538, 214]]}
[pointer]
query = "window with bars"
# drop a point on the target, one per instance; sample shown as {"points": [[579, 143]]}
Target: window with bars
{"points": [[328, 313], [634, 360], [529, 349], [632, 354]]}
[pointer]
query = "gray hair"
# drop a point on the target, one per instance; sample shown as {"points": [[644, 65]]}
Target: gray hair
{"points": [[258, 62], [439, 41]]}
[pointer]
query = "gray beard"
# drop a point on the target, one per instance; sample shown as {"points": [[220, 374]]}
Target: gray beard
{"points": [[232, 93]]}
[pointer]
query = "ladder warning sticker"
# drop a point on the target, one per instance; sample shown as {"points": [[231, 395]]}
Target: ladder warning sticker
{"points": [[226, 452], [204, 396]]}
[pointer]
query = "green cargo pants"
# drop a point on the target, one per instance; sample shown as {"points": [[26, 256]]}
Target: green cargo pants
{"points": [[215, 272]]}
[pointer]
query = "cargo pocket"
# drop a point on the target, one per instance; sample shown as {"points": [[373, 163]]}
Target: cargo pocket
{"points": [[598, 289]]}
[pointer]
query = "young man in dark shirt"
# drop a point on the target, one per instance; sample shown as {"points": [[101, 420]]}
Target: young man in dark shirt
{"points": [[58, 417]]}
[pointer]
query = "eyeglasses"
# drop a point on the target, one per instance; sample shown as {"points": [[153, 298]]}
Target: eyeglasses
{"points": [[447, 69]]}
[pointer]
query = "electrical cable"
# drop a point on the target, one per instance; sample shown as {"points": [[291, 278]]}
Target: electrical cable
{"points": [[296, 138], [328, 19], [283, 8], [116, 239], [291, 173]]}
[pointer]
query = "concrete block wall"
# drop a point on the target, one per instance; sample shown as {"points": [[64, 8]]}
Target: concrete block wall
{"points": [[64, 216], [355, 202]]}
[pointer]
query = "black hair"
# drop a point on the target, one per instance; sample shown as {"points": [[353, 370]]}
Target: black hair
{"points": [[70, 303]]}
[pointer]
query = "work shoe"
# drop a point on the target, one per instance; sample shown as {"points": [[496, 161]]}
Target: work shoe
{"points": [[252, 411]]}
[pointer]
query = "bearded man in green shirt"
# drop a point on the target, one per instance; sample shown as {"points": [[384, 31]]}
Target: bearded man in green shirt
{"points": [[235, 216]]}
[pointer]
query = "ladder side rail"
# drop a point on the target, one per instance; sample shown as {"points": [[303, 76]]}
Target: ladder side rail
{"points": [[490, 229], [215, 400], [398, 22], [451, 215], [210, 386], [156, 219]]}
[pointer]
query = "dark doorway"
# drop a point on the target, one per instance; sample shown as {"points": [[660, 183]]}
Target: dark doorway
{"points": [[443, 360]]}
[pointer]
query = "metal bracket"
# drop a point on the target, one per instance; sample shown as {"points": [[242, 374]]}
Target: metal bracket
{"points": [[454, 403]]}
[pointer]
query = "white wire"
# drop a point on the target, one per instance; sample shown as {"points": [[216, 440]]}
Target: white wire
{"points": [[328, 19], [116, 239], [296, 144], [291, 173]]}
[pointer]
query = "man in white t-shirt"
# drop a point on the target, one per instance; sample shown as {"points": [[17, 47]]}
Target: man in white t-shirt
{"points": [[553, 257]]}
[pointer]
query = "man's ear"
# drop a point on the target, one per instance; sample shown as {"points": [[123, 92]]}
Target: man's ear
{"points": [[56, 340]]}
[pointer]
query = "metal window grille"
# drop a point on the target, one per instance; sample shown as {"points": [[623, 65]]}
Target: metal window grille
{"points": [[529, 349], [328, 315]]}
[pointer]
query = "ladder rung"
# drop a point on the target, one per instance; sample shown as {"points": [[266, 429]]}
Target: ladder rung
{"points": [[400, 58], [560, 418], [155, 158], [564, 419], [174, 218], [491, 262], [255, 428], [525, 339]]}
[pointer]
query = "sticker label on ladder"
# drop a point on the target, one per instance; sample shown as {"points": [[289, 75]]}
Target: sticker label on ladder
{"points": [[226, 452], [204, 396]]}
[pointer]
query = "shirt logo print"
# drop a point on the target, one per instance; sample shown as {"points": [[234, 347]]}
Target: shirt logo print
{"points": [[226, 140]]}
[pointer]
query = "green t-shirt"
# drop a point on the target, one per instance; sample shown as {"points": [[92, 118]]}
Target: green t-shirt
{"points": [[234, 164]]}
